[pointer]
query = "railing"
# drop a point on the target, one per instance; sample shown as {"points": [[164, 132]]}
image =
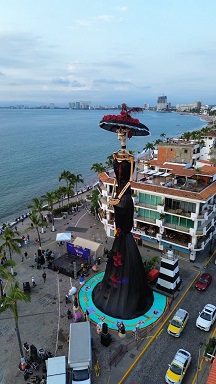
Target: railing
{"points": [[177, 227], [117, 355], [146, 205], [146, 219]]}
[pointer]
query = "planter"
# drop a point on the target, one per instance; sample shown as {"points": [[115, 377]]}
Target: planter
{"points": [[210, 350]]}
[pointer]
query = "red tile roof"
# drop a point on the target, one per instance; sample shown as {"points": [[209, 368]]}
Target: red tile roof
{"points": [[206, 162], [204, 195], [212, 375], [180, 170]]}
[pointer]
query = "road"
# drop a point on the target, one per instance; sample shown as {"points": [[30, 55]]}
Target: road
{"points": [[152, 367]]}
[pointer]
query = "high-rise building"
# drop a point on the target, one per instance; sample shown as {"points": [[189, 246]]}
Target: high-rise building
{"points": [[162, 103]]}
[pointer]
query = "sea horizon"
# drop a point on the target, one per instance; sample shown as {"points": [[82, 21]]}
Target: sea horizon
{"points": [[37, 145]]}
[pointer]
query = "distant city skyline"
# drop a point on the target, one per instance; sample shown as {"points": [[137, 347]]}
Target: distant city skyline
{"points": [[107, 52]]}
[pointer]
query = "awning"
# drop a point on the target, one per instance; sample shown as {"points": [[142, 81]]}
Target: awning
{"points": [[65, 236]]}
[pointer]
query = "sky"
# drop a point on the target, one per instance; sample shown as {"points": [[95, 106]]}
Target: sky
{"points": [[107, 52]]}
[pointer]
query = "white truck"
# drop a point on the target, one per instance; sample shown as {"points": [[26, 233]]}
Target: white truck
{"points": [[80, 353], [56, 370]]}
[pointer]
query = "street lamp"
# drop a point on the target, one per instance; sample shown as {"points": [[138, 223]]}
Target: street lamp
{"points": [[1, 288]]}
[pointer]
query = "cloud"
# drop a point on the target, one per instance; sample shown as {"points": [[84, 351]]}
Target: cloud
{"points": [[111, 82], [115, 64], [122, 9], [21, 50], [106, 18], [67, 83]]}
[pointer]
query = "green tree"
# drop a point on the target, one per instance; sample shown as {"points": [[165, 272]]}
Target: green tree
{"points": [[156, 142], [37, 206], [163, 135], [36, 224], [186, 136], [109, 161], [149, 147], [10, 302], [77, 179], [10, 242], [68, 177], [98, 167], [60, 193], [94, 201], [150, 264], [50, 198], [5, 274]]}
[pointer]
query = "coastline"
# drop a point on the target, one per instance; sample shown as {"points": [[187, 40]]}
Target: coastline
{"points": [[16, 199]]}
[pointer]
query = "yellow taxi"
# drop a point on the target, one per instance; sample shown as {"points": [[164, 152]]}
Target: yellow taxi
{"points": [[178, 322], [178, 367]]}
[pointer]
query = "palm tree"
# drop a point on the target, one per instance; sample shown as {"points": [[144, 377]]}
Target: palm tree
{"points": [[37, 206], [186, 136], [163, 135], [61, 193], [9, 301], [50, 198], [77, 179], [68, 177], [98, 167], [109, 161], [36, 223], [156, 142], [149, 147], [11, 242], [5, 274]]}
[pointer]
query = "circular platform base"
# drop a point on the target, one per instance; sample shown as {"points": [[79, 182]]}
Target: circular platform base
{"points": [[95, 315]]}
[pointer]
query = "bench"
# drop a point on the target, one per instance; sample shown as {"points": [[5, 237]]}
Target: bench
{"points": [[117, 355]]}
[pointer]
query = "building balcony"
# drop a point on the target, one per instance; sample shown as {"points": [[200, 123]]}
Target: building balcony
{"points": [[177, 238], [103, 201], [178, 212], [111, 222], [145, 205], [146, 231], [176, 227], [143, 219]]}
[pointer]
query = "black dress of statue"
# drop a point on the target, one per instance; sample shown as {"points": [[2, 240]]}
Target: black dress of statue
{"points": [[123, 293]]}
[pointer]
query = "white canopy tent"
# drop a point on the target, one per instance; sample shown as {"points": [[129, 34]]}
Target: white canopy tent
{"points": [[65, 236], [96, 248]]}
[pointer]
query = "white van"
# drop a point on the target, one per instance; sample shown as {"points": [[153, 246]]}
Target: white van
{"points": [[56, 370]]}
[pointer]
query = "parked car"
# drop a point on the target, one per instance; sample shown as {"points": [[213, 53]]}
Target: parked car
{"points": [[203, 282], [178, 367], [207, 317], [178, 322]]}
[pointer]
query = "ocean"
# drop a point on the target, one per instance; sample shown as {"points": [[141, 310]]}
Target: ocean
{"points": [[36, 145]]}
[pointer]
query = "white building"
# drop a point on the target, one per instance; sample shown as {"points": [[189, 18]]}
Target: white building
{"points": [[175, 205]]}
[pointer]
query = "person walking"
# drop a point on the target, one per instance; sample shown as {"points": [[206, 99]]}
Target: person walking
{"points": [[44, 277], [33, 281], [26, 254]]}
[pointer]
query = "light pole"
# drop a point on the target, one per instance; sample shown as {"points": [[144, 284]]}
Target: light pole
{"points": [[1, 288]]}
